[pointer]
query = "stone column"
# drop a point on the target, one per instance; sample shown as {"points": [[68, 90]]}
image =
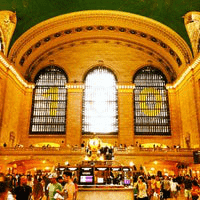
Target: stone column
{"points": [[74, 113], [126, 114], [175, 116], [25, 117]]}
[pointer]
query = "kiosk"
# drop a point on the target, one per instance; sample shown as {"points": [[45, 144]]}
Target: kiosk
{"points": [[106, 179]]}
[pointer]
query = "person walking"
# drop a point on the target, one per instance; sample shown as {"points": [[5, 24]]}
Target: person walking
{"points": [[195, 191], [166, 188], [37, 190], [174, 188], [69, 188], [76, 188], [188, 187], [3, 190], [23, 191], [53, 187], [142, 189]]}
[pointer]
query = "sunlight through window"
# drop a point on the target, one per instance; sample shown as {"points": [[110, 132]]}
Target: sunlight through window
{"points": [[100, 111]]}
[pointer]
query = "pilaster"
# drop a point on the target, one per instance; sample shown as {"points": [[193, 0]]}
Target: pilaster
{"points": [[126, 114], [74, 113]]}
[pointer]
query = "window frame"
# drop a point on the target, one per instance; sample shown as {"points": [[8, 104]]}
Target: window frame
{"points": [[64, 123], [116, 102], [154, 118]]}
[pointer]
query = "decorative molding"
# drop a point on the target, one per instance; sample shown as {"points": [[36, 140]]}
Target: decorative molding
{"points": [[192, 24], [8, 22], [65, 33], [127, 43], [75, 87], [16, 74], [79, 87], [195, 63], [125, 88], [101, 17]]}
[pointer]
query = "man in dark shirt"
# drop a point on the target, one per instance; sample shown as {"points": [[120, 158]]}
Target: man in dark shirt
{"points": [[188, 187], [23, 191], [3, 190]]}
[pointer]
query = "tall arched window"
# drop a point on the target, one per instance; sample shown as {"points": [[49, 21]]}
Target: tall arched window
{"points": [[49, 102], [100, 109], [151, 103]]}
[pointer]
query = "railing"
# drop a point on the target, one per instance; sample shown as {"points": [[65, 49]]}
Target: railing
{"points": [[42, 149], [81, 149], [142, 149]]}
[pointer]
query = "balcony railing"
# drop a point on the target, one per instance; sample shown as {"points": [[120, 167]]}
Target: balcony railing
{"points": [[82, 150]]}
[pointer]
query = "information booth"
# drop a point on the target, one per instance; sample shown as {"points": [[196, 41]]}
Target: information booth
{"points": [[102, 178], [100, 173]]}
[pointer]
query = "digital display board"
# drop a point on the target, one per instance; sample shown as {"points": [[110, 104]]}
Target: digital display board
{"points": [[127, 182], [86, 179], [100, 180]]}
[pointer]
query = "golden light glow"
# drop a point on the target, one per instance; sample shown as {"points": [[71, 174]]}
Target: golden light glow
{"points": [[187, 71], [66, 163], [131, 164], [101, 158], [94, 143], [151, 145], [18, 77], [45, 144], [86, 158]]}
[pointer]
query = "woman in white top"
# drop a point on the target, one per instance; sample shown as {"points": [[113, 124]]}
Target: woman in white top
{"points": [[173, 186], [142, 189]]}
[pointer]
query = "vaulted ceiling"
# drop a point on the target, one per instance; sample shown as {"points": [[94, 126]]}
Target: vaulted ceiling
{"points": [[168, 12], [124, 42], [72, 39]]}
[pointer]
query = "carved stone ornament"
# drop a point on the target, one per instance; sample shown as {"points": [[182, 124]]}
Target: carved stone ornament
{"points": [[8, 22], [192, 24]]}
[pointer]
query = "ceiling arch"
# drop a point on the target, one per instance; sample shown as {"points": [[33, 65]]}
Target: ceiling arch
{"points": [[64, 38]]}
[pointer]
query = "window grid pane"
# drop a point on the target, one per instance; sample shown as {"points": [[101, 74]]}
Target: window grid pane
{"points": [[100, 110], [151, 103], [49, 102]]}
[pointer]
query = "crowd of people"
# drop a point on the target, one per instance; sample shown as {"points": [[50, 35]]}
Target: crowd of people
{"points": [[54, 187], [38, 187], [162, 188]]}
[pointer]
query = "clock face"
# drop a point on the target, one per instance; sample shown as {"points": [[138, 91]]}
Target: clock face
{"points": [[150, 101]]}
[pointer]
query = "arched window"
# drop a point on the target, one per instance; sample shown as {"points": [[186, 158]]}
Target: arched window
{"points": [[49, 102], [100, 109], [151, 103]]}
